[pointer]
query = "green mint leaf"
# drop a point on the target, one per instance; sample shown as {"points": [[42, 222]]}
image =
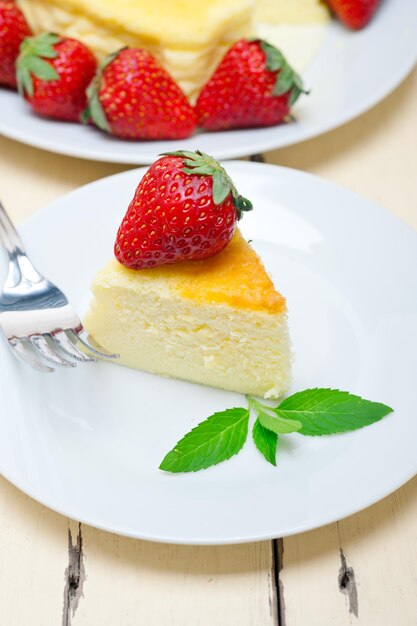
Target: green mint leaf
{"points": [[278, 424], [330, 411], [216, 439], [266, 441]]}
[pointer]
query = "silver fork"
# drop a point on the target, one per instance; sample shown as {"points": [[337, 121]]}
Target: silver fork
{"points": [[35, 316]]}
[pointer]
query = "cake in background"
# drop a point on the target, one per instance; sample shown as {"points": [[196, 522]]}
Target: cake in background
{"points": [[188, 38]]}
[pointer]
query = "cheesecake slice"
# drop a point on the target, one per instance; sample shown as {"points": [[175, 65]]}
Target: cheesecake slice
{"points": [[218, 321]]}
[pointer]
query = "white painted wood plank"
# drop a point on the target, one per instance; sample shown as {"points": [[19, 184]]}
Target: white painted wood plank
{"points": [[380, 546], [33, 557], [133, 582], [384, 596]]}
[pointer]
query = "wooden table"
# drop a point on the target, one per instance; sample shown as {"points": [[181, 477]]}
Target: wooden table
{"points": [[361, 570]]}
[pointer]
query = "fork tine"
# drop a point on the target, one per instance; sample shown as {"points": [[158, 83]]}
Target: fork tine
{"points": [[83, 337], [70, 348], [39, 341], [21, 351]]}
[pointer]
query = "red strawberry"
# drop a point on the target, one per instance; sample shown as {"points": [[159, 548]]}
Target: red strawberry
{"points": [[354, 13], [13, 30], [252, 86], [53, 73], [133, 97], [185, 208]]}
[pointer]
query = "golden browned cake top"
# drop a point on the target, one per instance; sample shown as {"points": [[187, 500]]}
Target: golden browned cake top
{"points": [[235, 276]]}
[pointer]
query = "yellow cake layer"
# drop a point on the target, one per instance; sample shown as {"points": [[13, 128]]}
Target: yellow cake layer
{"points": [[188, 37], [218, 322]]}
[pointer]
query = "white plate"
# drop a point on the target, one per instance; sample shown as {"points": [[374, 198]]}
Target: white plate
{"points": [[88, 442], [351, 73]]}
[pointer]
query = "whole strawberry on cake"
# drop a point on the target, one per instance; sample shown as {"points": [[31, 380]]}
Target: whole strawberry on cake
{"points": [[187, 296]]}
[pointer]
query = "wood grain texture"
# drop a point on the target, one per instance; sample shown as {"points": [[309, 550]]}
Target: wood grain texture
{"points": [[347, 584], [32, 560], [315, 578], [380, 547], [74, 575], [133, 582]]}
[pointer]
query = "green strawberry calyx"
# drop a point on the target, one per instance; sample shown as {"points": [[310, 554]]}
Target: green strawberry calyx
{"points": [[202, 164], [287, 79], [94, 110], [31, 61]]}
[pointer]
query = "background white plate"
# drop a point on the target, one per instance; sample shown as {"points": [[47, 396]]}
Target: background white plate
{"points": [[352, 72], [88, 442]]}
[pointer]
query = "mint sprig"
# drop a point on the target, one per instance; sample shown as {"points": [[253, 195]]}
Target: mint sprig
{"points": [[266, 441], [275, 423], [202, 164], [31, 61], [216, 439], [329, 411], [311, 412]]}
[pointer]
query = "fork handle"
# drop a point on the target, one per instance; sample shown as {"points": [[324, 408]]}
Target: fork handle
{"points": [[19, 264], [9, 235]]}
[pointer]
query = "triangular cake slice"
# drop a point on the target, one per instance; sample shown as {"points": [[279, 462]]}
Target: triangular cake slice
{"points": [[217, 321]]}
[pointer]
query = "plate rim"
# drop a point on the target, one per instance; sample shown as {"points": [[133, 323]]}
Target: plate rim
{"points": [[228, 153], [225, 541]]}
